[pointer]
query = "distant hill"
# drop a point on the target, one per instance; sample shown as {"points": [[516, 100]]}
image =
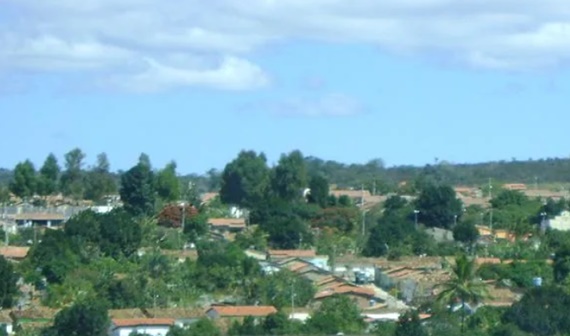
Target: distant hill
{"points": [[354, 175]]}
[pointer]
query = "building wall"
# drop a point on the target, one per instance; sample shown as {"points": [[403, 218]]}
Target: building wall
{"points": [[150, 330]]}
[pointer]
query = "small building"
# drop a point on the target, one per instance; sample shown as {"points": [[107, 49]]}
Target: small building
{"points": [[6, 322], [239, 311], [363, 297], [227, 225], [515, 186], [15, 253], [276, 255], [27, 220], [148, 326]]}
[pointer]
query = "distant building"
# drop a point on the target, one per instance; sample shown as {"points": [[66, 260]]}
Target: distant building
{"points": [[515, 186], [240, 311], [39, 219], [146, 326], [15, 253], [227, 225]]}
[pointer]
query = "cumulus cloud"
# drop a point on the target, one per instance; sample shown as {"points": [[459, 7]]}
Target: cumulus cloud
{"points": [[105, 36], [329, 105]]}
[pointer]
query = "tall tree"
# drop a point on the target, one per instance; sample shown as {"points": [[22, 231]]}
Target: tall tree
{"points": [[289, 177], [167, 183], [409, 324], [120, 234], [49, 176], [335, 315], [438, 205], [99, 181], [24, 183], [464, 286], [245, 180], [137, 189], [86, 318], [9, 287], [319, 190], [72, 178]]}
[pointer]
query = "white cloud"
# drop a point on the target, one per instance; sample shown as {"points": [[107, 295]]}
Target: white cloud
{"points": [[330, 105], [106, 36]]}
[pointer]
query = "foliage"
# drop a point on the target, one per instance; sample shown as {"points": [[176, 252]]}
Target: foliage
{"points": [[289, 177], [24, 183], [409, 324], [48, 177], [438, 205], [98, 181], [171, 215], [54, 256], [137, 189], [278, 288], [520, 273], [85, 318], [203, 327], [463, 287], [72, 178], [319, 190], [336, 314], [8, 279], [167, 183], [342, 219], [541, 311], [245, 180], [466, 233], [120, 234]]}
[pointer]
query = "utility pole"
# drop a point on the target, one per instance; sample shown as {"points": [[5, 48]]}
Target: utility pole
{"points": [[374, 188], [416, 212], [363, 223], [292, 298], [536, 182], [491, 209]]}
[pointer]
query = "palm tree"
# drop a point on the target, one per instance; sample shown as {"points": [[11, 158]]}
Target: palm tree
{"points": [[463, 286]]}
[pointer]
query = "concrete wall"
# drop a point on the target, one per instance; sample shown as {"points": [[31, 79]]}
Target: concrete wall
{"points": [[149, 330]]}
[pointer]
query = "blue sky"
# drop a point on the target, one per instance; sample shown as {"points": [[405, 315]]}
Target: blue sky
{"points": [[406, 82]]}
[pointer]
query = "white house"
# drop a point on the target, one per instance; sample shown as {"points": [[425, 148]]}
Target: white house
{"points": [[148, 326]]}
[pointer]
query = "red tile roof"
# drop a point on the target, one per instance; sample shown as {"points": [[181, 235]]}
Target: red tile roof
{"points": [[14, 252], [234, 222], [117, 323], [344, 290], [39, 216], [291, 253], [242, 311]]}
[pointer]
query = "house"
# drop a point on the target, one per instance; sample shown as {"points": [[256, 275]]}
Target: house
{"points": [[226, 225], [39, 219], [6, 322], [239, 311], [515, 186], [182, 316], [208, 197], [276, 255], [15, 253], [148, 326], [363, 297]]}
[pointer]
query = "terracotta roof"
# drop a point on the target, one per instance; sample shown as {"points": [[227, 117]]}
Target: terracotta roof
{"points": [[118, 323], [292, 253], [347, 289], [14, 252], [126, 313], [39, 216], [235, 222], [177, 313], [241, 311], [514, 186], [207, 197]]}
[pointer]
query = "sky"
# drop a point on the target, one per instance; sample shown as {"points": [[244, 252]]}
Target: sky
{"points": [[197, 81]]}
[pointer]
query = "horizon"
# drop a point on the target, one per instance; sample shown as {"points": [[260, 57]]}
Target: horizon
{"points": [[346, 82]]}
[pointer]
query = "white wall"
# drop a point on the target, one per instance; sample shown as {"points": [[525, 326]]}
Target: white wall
{"points": [[150, 330]]}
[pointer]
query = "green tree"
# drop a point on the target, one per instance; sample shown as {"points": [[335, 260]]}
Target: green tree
{"points": [[438, 205], [54, 255], [336, 314], [99, 182], [72, 183], [87, 318], [464, 287], [138, 190], [167, 183], [244, 180], [289, 177], [204, 327], [49, 176], [120, 234], [466, 233], [4, 195], [24, 183], [84, 229], [409, 324], [195, 226], [319, 190], [9, 287], [541, 311]]}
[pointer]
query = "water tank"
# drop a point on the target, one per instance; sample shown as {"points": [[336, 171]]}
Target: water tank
{"points": [[537, 281]]}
